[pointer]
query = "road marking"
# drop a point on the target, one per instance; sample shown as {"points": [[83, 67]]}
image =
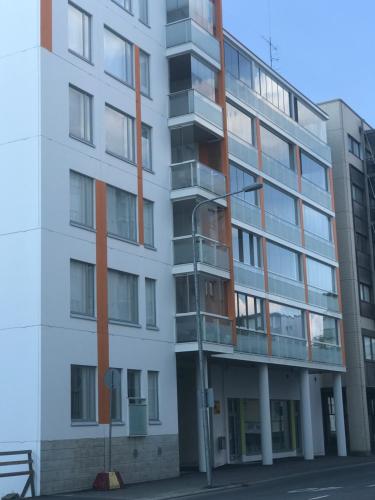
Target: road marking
{"points": [[316, 490], [370, 486], [317, 498]]}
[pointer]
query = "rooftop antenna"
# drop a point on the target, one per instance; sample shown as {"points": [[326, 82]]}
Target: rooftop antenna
{"points": [[271, 46]]}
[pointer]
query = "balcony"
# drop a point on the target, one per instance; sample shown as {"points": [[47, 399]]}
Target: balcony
{"points": [[242, 151], [210, 252], [319, 245], [242, 92], [251, 342], [324, 299], [316, 194], [289, 347], [245, 212], [286, 287], [326, 353], [187, 36], [190, 107], [280, 172], [137, 417], [283, 229], [193, 174], [250, 277], [215, 329]]}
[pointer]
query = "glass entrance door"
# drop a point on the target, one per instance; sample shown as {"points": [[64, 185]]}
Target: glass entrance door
{"points": [[234, 421]]}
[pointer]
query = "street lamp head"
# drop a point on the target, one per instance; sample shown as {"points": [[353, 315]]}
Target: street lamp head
{"points": [[252, 187]]}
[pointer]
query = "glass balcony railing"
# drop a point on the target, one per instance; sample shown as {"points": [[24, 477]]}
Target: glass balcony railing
{"points": [[195, 174], [289, 347], [326, 353], [248, 276], [251, 342], [242, 151], [280, 172], [210, 252], [319, 245], [286, 287], [246, 212], [324, 299], [191, 101], [137, 417], [215, 329], [283, 229], [316, 194], [188, 31], [242, 92]]}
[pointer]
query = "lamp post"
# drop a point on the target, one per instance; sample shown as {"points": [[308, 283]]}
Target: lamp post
{"points": [[201, 369]]}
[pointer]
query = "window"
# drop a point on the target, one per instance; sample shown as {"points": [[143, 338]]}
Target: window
{"points": [[146, 148], [320, 275], [280, 204], [81, 288], [125, 4], [275, 147], [122, 214], [134, 384], [358, 194], [240, 178], [122, 297], [203, 79], [213, 293], [79, 32], [369, 348], [144, 62], [150, 302], [286, 321], [204, 13], [283, 262], [365, 292], [116, 400], [324, 329], [153, 396], [80, 115], [119, 134], [238, 65], [314, 172], [240, 124], [118, 57], [143, 11], [249, 312], [82, 391], [311, 121], [148, 223], [354, 147], [81, 200], [317, 223], [246, 247], [269, 89]]}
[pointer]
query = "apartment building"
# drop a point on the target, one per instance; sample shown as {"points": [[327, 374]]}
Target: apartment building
{"points": [[121, 115], [352, 143]]}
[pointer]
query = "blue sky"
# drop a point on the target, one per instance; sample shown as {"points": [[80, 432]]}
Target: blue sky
{"points": [[326, 47]]}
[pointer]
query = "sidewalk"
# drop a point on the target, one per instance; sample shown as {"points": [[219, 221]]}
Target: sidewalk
{"points": [[224, 478]]}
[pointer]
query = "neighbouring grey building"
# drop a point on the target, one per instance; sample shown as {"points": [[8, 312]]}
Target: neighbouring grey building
{"points": [[353, 145]]}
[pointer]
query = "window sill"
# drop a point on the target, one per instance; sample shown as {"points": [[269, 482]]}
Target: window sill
{"points": [[83, 58], [154, 422], [83, 141], [120, 80], [84, 424], [124, 323], [153, 328], [118, 423], [121, 158], [82, 226], [82, 316], [150, 247], [124, 240], [148, 96], [147, 24], [123, 8], [149, 171]]}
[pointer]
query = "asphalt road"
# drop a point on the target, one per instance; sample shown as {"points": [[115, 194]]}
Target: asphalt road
{"points": [[355, 483]]}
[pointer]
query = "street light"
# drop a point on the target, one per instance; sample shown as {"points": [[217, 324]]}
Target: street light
{"points": [[202, 376]]}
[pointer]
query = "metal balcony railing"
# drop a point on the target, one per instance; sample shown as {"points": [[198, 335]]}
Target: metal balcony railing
{"points": [[315, 193], [324, 299], [249, 276], [210, 252], [319, 245], [289, 347], [188, 31], [286, 287], [283, 229], [326, 353], [196, 174], [191, 101], [251, 342], [137, 417], [245, 212], [280, 172], [215, 329]]}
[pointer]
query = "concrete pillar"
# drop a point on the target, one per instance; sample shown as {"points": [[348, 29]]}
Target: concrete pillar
{"points": [[339, 416], [306, 423], [200, 436], [265, 415]]}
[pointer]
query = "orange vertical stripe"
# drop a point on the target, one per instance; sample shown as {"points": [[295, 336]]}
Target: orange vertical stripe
{"points": [[225, 163], [46, 24], [138, 119], [102, 299]]}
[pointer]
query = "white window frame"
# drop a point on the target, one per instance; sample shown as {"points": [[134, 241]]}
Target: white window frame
{"points": [[87, 200], [128, 136], [132, 225], [148, 168], [153, 385], [151, 311], [145, 89], [133, 298], [85, 116], [143, 5], [123, 5], [90, 407], [151, 204], [86, 34], [90, 283]]}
